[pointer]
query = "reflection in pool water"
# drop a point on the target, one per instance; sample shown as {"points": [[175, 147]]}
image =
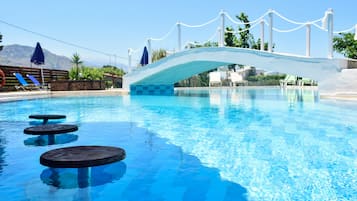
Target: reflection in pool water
{"points": [[43, 140], [67, 178]]}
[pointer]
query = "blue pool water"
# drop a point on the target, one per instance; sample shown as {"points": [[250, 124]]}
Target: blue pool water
{"points": [[218, 144]]}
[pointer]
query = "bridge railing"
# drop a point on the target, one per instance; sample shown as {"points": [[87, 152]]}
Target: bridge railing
{"points": [[326, 21]]}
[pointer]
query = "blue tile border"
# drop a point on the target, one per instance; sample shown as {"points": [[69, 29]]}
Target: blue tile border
{"points": [[160, 90]]}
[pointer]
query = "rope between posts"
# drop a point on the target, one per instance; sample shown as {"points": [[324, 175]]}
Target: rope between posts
{"points": [[243, 30], [243, 23], [295, 22], [345, 31], [209, 39], [288, 30], [319, 27], [200, 25], [166, 35]]}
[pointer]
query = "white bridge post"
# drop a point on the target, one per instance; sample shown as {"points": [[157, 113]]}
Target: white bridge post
{"points": [[178, 36], [219, 36], [129, 59], [330, 32], [270, 47], [308, 39], [262, 35], [222, 29], [149, 50]]}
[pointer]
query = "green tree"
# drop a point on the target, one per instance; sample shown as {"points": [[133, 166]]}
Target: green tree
{"points": [[111, 75], [76, 61], [198, 45], [256, 45], [158, 54], [230, 38], [244, 39], [91, 73], [113, 70], [346, 45], [1, 42], [245, 36]]}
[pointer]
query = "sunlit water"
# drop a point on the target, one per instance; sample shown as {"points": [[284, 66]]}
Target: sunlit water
{"points": [[218, 144]]}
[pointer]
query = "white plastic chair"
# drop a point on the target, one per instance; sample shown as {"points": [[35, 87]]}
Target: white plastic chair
{"points": [[215, 78], [236, 78]]}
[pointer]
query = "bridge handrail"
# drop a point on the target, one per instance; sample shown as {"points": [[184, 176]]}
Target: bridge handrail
{"points": [[208, 40], [164, 36], [327, 18], [243, 23], [295, 22], [243, 30], [287, 30], [200, 25], [354, 27]]}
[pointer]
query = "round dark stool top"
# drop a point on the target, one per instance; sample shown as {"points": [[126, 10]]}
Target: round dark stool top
{"points": [[50, 129], [82, 156], [46, 117]]}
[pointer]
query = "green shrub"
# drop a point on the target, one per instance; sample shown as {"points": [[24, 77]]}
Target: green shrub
{"points": [[261, 80]]}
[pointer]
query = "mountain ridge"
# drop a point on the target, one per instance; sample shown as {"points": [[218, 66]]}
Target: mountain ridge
{"points": [[20, 55]]}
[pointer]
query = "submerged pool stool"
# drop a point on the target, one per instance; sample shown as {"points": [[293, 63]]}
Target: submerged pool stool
{"points": [[46, 117], [82, 157], [50, 130]]}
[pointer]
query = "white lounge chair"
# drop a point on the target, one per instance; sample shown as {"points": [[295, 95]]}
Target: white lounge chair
{"points": [[288, 80], [307, 81], [215, 78], [236, 78]]}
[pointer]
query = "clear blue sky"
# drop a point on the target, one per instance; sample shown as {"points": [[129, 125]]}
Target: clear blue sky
{"points": [[113, 26]]}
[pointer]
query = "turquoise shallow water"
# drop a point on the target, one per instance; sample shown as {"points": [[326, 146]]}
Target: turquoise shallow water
{"points": [[218, 144]]}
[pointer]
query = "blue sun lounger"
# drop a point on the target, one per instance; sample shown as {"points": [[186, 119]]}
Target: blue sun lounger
{"points": [[34, 80], [23, 84]]}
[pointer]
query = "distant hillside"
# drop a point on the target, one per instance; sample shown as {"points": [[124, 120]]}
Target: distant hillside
{"points": [[20, 55]]}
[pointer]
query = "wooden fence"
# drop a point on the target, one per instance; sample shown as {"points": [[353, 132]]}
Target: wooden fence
{"points": [[48, 74], [76, 85]]}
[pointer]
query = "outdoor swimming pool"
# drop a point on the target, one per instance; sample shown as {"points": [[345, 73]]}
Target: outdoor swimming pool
{"points": [[218, 144]]}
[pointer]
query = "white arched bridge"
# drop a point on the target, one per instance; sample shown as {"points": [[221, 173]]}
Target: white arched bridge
{"points": [[333, 75], [159, 77]]}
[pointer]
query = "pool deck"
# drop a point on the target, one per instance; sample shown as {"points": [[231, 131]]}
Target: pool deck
{"points": [[340, 96], [25, 95]]}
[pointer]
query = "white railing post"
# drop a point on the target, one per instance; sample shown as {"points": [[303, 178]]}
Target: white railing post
{"points": [[179, 36], [262, 35], [222, 28], [129, 59], [149, 50], [308, 39], [219, 37], [330, 32], [270, 47]]}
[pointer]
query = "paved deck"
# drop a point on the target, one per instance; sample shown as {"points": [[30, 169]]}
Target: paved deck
{"points": [[24, 95], [15, 96]]}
